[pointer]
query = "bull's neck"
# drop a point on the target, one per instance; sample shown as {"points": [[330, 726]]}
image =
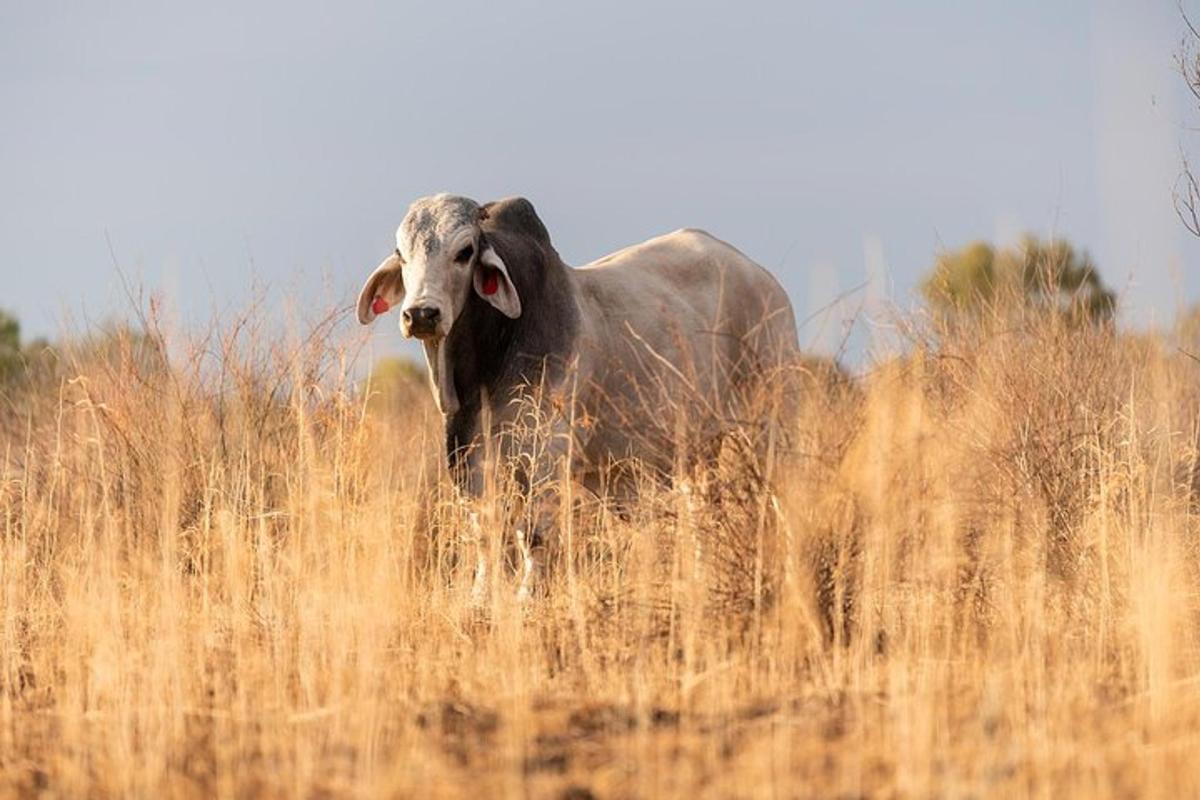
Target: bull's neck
{"points": [[492, 357], [489, 351]]}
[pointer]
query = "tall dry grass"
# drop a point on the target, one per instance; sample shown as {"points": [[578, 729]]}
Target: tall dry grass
{"points": [[226, 570]]}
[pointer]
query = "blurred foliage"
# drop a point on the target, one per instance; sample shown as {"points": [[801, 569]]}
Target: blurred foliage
{"points": [[10, 346], [1187, 331], [123, 344], [396, 384], [30, 366], [1049, 275]]}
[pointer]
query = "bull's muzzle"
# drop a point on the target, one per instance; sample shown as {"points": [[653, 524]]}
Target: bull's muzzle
{"points": [[421, 321]]}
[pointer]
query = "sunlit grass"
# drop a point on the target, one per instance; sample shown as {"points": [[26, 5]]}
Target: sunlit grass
{"points": [[972, 573]]}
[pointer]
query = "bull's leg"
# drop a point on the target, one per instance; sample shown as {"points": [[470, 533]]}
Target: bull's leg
{"points": [[533, 539], [480, 584], [467, 470], [533, 558], [542, 485]]}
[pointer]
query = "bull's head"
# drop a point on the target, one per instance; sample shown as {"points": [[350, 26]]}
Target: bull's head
{"points": [[442, 254]]}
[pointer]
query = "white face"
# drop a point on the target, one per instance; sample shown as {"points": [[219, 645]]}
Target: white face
{"points": [[441, 256], [437, 277]]}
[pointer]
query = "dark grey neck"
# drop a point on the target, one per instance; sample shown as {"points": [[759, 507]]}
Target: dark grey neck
{"points": [[495, 357]]}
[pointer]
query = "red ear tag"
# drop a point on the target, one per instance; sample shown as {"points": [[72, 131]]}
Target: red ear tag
{"points": [[491, 282], [380, 306]]}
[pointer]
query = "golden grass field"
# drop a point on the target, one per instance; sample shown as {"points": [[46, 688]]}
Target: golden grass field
{"points": [[975, 572]]}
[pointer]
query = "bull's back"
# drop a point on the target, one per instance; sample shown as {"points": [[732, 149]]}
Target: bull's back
{"points": [[695, 283]]}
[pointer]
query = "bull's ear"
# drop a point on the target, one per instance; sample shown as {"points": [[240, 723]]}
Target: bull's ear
{"points": [[383, 290], [493, 283]]}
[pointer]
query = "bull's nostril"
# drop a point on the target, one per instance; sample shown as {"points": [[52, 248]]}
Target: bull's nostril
{"points": [[421, 319]]}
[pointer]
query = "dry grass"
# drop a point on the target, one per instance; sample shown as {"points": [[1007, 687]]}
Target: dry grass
{"points": [[976, 576]]}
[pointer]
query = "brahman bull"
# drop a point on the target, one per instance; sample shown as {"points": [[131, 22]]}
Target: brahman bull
{"points": [[640, 359]]}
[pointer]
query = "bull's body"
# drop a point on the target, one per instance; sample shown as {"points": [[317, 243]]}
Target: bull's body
{"points": [[676, 332], [639, 358]]}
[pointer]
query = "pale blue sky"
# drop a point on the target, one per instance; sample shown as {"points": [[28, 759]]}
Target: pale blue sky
{"points": [[221, 145]]}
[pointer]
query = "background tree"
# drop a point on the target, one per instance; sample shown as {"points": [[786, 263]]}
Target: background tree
{"points": [[1048, 275], [10, 346], [397, 385]]}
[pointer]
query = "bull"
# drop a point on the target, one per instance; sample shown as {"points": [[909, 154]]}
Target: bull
{"points": [[635, 362]]}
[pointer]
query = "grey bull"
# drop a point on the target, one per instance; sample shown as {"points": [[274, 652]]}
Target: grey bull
{"points": [[637, 361]]}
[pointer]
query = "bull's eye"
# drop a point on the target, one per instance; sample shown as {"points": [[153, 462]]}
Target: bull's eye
{"points": [[465, 254]]}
